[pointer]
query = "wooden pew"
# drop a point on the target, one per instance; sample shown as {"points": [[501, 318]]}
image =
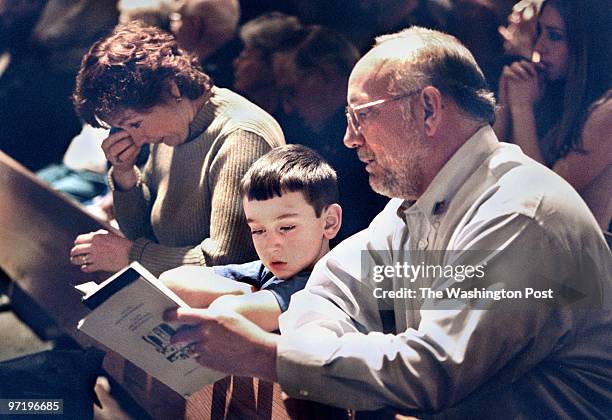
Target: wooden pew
{"points": [[37, 229]]}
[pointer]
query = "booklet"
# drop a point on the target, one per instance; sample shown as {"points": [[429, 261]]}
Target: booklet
{"points": [[127, 317]]}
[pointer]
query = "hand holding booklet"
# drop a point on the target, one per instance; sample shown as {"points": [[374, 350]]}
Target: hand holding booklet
{"points": [[127, 317]]}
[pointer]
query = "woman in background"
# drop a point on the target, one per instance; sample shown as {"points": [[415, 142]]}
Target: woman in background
{"points": [[185, 207], [558, 108]]}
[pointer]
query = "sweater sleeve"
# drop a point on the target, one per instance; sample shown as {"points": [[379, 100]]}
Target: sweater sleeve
{"points": [[133, 209], [229, 240]]}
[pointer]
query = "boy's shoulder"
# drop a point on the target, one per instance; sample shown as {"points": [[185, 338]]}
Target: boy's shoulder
{"points": [[251, 272]]}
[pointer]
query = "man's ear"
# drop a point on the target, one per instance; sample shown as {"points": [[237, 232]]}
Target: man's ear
{"points": [[431, 99], [333, 220]]}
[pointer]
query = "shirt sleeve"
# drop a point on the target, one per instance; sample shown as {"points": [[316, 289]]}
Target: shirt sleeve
{"points": [[333, 348], [249, 273], [284, 289], [230, 238]]}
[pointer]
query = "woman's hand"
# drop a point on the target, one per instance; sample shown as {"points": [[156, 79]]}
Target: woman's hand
{"points": [[100, 251], [521, 86], [121, 151]]}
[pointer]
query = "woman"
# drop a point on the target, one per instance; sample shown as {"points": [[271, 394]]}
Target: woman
{"points": [[185, 206], [558, 108]]}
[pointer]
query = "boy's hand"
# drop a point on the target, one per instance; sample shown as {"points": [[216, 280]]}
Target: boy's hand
{"points": [[227, 341]]}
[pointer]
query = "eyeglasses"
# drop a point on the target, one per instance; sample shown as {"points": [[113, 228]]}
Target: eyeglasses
{"points": [[351, 111]]}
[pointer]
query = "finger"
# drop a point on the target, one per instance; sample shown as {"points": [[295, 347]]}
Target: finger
{"points": [[117, 152], [129, 154], [78, 260], [120, 146], [170, 315], [108, 142], [193, 316], [528, 13], [81, 249], [189, 334], [89, 268], [521, 71], [530, 68], [505, 33], [84, 238]]}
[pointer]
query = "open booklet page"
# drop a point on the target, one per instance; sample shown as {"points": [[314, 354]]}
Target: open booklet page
{"points": [[126, 317]]}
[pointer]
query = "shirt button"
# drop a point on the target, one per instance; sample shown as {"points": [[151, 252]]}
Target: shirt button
{"points": [[436, 225], [303, 393], [422, 244]]}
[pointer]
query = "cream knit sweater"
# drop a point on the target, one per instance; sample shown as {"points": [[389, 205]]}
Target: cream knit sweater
{"points": [[188, 209]]}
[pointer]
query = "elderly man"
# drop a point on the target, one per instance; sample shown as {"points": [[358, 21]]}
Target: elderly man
{"points": [[419, 117]]}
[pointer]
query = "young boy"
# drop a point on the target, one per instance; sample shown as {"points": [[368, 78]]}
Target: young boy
{"points": [[290, 199]]}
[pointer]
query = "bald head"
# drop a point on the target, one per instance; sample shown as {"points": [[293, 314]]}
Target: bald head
{"points": [[418, 57]]}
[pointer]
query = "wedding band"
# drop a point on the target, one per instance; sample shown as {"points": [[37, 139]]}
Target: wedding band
{"points": [[85, 259]]}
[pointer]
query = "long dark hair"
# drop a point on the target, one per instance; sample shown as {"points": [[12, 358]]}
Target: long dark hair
{"points": [[588, 26]]}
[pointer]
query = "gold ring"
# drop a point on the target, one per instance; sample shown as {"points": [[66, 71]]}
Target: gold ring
{"points": [[85, 259]]}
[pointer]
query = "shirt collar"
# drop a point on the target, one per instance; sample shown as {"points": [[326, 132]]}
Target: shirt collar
{"points": [[437, 197]]}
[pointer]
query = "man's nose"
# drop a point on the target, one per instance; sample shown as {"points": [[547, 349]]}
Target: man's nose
{"points": [[352, 138]]}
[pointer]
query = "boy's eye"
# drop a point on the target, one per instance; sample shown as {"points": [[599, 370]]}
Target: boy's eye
{"points": [[257, 231], [287, 228], [136, 124]]}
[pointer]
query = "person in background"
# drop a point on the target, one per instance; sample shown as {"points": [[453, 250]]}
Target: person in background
{"points": [[520, 32], [184, 208], [207, 28], [37, 118], [289, 197], [263, 37], [312, 77], [558, 108]]}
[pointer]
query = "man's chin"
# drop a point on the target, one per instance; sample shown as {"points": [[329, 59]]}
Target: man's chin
{"points": [[378, 186]]}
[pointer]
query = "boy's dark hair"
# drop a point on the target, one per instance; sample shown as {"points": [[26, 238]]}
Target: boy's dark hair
{"points": [[292, 168]]}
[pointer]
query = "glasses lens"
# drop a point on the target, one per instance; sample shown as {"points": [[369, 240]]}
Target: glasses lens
{"points": [[352, 120]]}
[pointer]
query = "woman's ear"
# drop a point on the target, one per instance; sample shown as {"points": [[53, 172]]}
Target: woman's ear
{"points": [[174, 89], [333, 220]]}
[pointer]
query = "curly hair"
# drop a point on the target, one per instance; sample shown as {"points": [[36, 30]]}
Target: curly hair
{"points": [[131, 69]]}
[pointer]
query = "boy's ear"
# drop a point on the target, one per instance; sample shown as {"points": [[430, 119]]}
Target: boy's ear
{"points": [[333, 220]]}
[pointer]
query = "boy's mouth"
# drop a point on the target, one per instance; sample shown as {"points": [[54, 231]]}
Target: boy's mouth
{"points": [[277, 264]]}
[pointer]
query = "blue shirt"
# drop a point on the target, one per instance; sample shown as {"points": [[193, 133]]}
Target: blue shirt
{"points": [[256, 274]]}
